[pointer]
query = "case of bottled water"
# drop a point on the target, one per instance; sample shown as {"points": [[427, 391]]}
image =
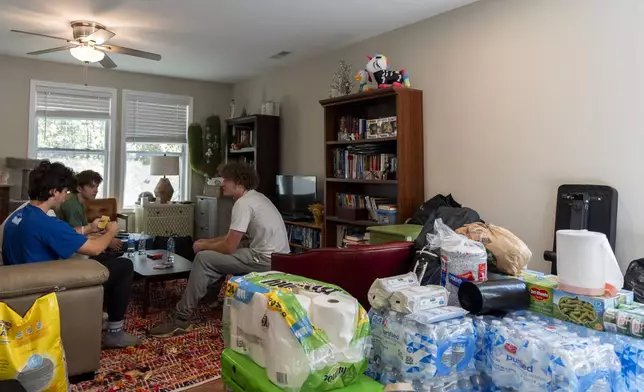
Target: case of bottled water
{"points": [[432, 350], [528, 353]]}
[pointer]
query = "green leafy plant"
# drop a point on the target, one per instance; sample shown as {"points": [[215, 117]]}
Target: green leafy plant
{"points": [[204, 148]]}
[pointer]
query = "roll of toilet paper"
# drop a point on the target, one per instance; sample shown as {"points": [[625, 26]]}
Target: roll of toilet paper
{"points": [[255, 329], [337, 316], [418, 298], [288, 366], [382, 289], [237, 341]]}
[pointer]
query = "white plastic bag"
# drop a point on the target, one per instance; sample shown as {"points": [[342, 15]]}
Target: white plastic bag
{"points": [[462, 259]]}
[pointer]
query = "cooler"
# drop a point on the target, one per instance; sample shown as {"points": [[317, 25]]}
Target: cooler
{"points": [[393, 233], [240, 374]]}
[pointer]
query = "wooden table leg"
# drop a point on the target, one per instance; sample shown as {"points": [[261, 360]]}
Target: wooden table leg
{"points": [[146, 297]]}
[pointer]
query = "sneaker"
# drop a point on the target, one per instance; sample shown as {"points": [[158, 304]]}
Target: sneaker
{"points": [[217, 304], [120, 339], [173, 326]]}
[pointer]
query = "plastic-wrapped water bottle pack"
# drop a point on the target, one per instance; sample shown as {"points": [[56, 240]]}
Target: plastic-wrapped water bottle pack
{"points": [[629, 350], [530, 354], [432, 350]]}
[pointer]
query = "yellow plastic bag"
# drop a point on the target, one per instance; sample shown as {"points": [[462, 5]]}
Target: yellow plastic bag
{"points": [[31, 350]]}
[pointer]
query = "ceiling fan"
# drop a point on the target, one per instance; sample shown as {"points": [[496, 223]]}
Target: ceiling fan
{"points": [[89, 44]]}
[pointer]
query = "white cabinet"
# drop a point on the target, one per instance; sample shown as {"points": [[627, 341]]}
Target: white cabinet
{"points": [[212, 217]]}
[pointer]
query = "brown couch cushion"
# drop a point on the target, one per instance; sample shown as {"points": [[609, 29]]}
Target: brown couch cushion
{"points": [[35, 278]]}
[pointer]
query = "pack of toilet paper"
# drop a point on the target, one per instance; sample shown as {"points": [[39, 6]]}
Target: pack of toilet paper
{"points": [[382, 289], [308, 335], [529, 354]]}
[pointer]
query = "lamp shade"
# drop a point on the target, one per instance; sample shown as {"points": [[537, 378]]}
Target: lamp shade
{"points": [[164, 166]]}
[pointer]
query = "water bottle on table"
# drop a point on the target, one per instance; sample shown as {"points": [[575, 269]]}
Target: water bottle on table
{"points": [[131, 245], [142, 240], [170, 251]]}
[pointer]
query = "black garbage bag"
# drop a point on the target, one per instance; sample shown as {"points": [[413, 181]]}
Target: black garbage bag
{"points": [[634, 279], [426, 263], [423, 213]]}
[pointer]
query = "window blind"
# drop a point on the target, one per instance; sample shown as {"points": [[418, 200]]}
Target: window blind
{"points": [[153, 118], [72, 103]]}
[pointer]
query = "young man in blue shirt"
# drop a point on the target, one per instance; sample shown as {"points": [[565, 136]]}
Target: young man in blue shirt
{"points": [[31, 236]]}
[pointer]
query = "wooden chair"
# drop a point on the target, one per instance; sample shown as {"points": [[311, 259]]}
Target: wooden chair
{"points": [[108, 207]]}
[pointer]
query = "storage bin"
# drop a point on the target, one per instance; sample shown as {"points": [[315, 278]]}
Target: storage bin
{"points": [[393, 233], [387, 217]]}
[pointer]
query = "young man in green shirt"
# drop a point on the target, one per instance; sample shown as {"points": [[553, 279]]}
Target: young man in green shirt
{"points": [[72, 210]]}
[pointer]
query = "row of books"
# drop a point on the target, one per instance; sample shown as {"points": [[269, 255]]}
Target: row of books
{"points": [[304, 236], [351, 128], [241, 138], [356, 166], [349, 235]]}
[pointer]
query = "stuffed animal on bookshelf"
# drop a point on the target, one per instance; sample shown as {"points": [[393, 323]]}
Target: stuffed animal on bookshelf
{"points": [[363, 79], [378, 69]]}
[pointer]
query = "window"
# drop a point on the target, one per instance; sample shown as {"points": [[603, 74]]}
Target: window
{"points": [[74, 125], [154, 125]]}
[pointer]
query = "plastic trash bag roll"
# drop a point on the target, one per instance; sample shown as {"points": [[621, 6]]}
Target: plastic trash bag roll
{"points": [[494, 296]]}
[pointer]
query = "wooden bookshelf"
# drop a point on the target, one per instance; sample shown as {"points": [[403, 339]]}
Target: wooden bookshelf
{"points": [[407, 187], [263, 149], [308, 225]]}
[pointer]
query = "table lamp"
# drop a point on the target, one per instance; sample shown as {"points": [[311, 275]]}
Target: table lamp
{"points": [[164, 166]]}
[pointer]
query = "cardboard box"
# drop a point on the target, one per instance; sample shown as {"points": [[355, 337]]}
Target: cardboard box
{"points": [[585, 310]]}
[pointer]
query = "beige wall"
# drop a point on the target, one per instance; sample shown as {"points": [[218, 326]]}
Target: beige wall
{"points": [[519, 97], [16, 73]]}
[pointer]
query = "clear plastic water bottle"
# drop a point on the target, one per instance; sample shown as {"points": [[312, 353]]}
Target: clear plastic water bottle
{"points": [[170, 248], [131, 245], [142, 240]]}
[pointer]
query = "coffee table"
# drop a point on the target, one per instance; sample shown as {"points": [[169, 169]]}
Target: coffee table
{"points": [[144, 268]]}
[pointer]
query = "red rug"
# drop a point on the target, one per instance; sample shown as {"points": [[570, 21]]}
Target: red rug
{"points": [[161, 364]]}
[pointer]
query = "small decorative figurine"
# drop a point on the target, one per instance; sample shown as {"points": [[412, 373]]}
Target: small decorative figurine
{"points": [[378, 69], [363, 79]]}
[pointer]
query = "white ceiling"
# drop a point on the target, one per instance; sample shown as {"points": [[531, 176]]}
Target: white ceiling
{"points": [[217, 40]]}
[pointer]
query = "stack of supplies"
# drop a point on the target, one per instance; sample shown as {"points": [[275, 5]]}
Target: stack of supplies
{"points": [[417, 339], [309, 335], [528, 354]]}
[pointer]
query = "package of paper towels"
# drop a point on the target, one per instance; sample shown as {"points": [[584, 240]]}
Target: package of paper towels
{"points": [[308, 335]]}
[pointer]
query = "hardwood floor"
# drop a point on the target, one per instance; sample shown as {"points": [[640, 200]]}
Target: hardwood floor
{"points": [[215, 386]]}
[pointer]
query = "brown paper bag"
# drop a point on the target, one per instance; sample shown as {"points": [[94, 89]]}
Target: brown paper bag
{"points": [[506, 252]]}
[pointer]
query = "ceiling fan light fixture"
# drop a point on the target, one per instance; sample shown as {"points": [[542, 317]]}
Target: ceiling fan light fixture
{"points": [[87, 53]]}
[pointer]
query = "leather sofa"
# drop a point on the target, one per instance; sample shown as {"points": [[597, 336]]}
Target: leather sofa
{"points": [[78, 283], [354, 269]]}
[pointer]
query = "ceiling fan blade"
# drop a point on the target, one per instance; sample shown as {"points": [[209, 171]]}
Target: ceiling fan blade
{"points": [[130, 52], [107, 62], [58, 49], [100, 36], [45, 35]]}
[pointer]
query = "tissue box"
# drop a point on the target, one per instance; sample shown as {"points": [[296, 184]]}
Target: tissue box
{"points": [[547, 299], [309, 335]]}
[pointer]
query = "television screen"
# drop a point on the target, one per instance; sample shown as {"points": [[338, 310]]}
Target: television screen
{"points": [[296, 193]]}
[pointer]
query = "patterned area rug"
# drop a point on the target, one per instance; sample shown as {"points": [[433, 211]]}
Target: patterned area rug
{"points": [[161, 365]]}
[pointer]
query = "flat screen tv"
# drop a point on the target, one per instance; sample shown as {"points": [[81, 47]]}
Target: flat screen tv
{"points": [[295, 194]]}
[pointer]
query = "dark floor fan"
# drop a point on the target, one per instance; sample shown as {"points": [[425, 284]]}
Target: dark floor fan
{"points": [[584, 207]]}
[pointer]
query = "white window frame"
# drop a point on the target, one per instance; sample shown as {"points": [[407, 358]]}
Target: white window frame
{"points": [[110, 140], [185, 176]]}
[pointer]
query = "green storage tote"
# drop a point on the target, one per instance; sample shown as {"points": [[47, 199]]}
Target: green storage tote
{"points": [[393, 233], [241, 374]]}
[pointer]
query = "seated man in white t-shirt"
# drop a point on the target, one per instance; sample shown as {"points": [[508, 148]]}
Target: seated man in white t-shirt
{"points": [[253, 214]]}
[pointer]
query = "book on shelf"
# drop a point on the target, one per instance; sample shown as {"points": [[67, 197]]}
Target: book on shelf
{"points": [[242, 137], [348, 200], [349, 235], [354, 164], [374, 203], [304, 236], [352, 128]]}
